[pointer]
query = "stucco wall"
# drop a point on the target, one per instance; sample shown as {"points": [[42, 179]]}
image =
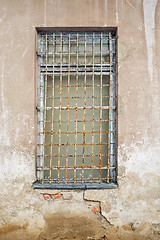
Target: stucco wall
{"points": [[25, 212]]}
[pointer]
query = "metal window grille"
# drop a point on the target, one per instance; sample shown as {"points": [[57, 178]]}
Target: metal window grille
{"points": [[76, 111]]}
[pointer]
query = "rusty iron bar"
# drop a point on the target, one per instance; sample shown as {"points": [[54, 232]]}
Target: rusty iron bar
{"points": [[100, 111], [106, 120], [44, 112], [75, 159], [84, 126], [79, 155], [96, 85], [93, 85], [60, 109], [109, 110], [68, 107], [78, 167], [52, 111], [79, 73], [80, 144], [74, 132], [81, 64], [96, 97], [72, 52]]}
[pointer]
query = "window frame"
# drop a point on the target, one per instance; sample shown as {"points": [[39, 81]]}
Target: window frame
{"points": [[39, 185]]}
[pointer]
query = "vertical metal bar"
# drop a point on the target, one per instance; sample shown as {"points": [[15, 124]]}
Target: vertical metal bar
{"points": [[109, 140], [84, 126], [68, 105], [40, 113], [93, 110], [45, 95], [100, 159], [112, 112], [59, 141], [75, 159], [52, 110]]}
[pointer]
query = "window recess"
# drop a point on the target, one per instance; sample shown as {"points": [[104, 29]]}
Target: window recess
{"points": [[76, 110]]}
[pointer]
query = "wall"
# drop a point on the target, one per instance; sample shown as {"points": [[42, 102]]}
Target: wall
{"points": [[131, 209]]}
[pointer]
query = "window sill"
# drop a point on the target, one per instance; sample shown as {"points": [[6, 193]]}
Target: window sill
{"points": [[38, 185]]}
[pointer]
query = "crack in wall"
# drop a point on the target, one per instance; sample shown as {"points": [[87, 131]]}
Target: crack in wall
{"points": [[103, 219]]}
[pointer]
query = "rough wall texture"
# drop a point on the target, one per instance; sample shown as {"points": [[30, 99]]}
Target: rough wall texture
{"points": [[129, 212]]}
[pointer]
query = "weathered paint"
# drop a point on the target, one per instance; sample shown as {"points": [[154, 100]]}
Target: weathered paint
{"points": [[149, 8], [24, 213]]}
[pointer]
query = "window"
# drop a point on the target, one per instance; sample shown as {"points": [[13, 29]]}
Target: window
{"points": [[76, 109]]}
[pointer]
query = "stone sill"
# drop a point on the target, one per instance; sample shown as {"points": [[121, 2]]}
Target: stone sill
{"points": [[71, 186]]}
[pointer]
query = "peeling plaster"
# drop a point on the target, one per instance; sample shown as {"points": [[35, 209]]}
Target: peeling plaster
{"points": [[5, 28], [3, 14], [149, 7], [136, 158], [4, 136], [17, 167], [105, 3], [2, 84], [45, 16], [117, 19]]}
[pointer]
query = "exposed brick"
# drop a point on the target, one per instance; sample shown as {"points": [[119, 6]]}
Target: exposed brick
{"points": [[94, 206], [96, 210], [46, 196], [67, 196], [56, 196]]}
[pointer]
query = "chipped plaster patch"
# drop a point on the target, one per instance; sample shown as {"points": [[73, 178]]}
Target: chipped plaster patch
{"points": [[141, 159], [149, 7], [4, 135], [16, 164], [117, 18]]}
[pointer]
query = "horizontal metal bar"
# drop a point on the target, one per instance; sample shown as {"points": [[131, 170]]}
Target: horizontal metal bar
{"points": [[70, 30], [72, 144], [72, 121], [73, 53], [80, 64], [74, 74], [74, 69], [74, 39], [39, 168], [76, 97], [87, 85], [78, 155], [74, 108], [65, 41], [75, 132], [81, 40]]}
